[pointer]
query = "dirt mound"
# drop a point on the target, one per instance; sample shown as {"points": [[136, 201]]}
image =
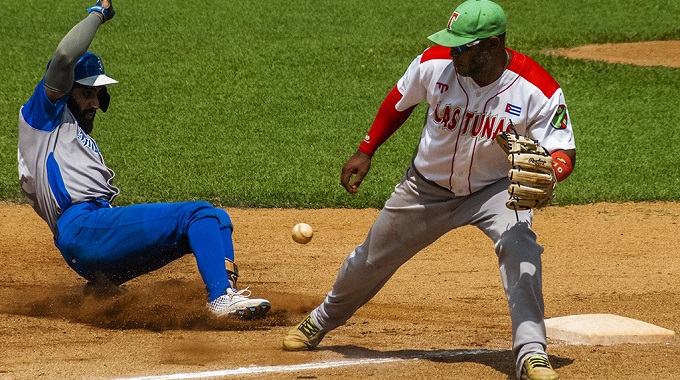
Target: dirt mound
{"points": [[652, 53]]}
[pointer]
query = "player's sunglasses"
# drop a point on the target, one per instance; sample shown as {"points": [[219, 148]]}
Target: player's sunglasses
{"points": [[463, 48]]}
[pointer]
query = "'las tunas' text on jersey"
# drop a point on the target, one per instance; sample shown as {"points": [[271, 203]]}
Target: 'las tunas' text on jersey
{"points": [[457, 149], [59, 164]]}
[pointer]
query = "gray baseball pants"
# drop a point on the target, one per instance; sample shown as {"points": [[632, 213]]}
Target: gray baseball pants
{"points": [[419, 212]]}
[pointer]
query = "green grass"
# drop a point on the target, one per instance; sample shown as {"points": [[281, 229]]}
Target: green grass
{"points": [[259, 104]]}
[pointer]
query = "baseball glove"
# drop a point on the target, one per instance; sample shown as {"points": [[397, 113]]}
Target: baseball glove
{"points": [[532, 174]]}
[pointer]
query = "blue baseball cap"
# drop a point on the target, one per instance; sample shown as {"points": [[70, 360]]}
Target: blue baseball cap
{"points": [[89, 71]]}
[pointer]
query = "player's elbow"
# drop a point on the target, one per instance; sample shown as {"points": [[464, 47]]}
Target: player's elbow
{"points": [[62, 59], [563, 163], [571, 153]]}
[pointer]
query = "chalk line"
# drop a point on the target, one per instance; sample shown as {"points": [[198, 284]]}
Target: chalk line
{"points": [[307, 366]]}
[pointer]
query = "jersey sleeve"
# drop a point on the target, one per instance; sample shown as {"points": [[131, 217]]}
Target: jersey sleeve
{"points": [[41, 113], [411, 90], [386, 122], [411, 86], [552, 127]]}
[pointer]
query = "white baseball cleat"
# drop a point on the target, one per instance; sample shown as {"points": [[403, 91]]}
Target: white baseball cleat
{"points": [[238, 304]]}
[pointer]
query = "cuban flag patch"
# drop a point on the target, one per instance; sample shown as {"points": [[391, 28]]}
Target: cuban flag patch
{"points": [[513, 109]]}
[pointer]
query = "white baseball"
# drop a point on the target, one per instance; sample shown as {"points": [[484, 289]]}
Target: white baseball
{"points": [[302, 233]]}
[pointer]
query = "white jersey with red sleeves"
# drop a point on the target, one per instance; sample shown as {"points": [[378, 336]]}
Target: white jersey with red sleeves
{"points": [[457, 149]]}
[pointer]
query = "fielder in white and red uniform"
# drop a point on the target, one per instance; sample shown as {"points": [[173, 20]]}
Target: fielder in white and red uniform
{"points": [[475, 88]]}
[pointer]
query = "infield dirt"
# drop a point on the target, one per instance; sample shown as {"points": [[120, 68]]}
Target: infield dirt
{"points": [[648, 53], [604, 258]]}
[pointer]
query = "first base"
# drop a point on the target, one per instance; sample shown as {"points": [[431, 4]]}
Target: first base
{"points": [[605, 329]]}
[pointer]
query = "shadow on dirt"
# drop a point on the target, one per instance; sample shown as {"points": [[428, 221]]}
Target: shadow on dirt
{"points": [[500, 360]]}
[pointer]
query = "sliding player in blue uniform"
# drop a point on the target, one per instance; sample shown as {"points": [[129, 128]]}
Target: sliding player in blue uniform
{"points": [[63, 175]]}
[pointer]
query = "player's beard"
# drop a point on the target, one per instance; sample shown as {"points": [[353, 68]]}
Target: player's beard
{"points": [[84, 117], [476, 65]]}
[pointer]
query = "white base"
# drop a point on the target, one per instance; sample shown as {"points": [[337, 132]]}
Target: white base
{"points": [[605, 329]]}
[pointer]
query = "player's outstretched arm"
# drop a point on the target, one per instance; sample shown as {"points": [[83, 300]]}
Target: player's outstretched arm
{"points": [[357, 166], [59, 75]]}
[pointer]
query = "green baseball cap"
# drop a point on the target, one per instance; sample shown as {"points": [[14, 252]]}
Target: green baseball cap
{"points": [[472, 20]]}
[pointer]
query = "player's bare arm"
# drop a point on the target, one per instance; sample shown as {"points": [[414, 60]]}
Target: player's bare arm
{"points": [[354, 171]]}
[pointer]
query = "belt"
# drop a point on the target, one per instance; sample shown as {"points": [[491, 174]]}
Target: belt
{"points": [[435, 184], [88, 206]]}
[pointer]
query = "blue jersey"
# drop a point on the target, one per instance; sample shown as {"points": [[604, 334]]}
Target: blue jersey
{"points": [[59, 164]]}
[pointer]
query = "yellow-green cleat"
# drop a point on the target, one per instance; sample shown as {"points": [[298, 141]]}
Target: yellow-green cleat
{"points": [[306, 336], [538, 367]]}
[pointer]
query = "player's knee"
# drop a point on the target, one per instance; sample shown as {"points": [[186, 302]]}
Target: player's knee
{"points": [[203, 209], [518, 242], [201, 205]]}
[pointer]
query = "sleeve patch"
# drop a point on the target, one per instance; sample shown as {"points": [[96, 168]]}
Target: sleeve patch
{"points": [[559, 120]]}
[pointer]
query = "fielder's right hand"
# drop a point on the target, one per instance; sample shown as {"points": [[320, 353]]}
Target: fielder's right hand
{"points": [[357, 165]]}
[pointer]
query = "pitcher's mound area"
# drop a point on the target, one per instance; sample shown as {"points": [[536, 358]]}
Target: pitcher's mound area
{"points": [[648, 53], [605, 329]]}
